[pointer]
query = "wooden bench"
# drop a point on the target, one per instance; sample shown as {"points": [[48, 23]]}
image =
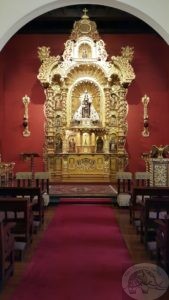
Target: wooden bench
{"points": [[145, 192], [153, 209], [6, 252], [18, 213], [35, 197], [162, 239]]}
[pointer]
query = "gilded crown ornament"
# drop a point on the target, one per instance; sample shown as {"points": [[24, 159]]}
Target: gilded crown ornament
{"points": [[84, 27]]}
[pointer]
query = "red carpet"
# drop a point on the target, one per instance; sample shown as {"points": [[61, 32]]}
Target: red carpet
{"points": [[82, 256], [82, 189], [80, 200]]}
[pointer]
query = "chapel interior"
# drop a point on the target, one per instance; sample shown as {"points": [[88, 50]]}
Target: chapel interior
{"points": [[83, 122]]}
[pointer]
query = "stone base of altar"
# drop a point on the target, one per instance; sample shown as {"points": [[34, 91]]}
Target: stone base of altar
{"points": [[82, 167]]}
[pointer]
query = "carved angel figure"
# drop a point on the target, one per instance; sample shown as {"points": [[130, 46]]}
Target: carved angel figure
{"points": [[161, 151]]}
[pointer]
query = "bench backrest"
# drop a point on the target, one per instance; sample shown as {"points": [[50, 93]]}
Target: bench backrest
{"points": [[26, 191], [19, 212], [157, 206], [150, 191]]}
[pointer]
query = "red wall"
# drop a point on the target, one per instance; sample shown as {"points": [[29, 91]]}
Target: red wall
{"points": [[1, 102], [19, 65]]}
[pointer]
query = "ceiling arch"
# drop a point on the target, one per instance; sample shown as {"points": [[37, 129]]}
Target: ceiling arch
{"points": [[13, 15]]}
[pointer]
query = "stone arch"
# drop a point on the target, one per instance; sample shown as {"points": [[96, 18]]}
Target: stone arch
{"points": [[13, 22]]}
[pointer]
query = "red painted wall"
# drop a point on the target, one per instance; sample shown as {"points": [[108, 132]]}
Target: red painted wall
{"points": [[19, 65], [1, 102]]}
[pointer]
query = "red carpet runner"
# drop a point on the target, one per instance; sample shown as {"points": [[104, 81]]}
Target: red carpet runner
{"points": [[82, 256], [84, 200]]}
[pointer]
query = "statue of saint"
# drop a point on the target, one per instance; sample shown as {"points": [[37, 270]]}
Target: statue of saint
{"points": [[58, 144], [112, 145], [84, 53], [99, 145], [72, 145], [86, 110], [58, 121], [86, 105]]}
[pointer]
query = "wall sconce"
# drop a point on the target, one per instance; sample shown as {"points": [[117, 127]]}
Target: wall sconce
{"points": [[26, 101], [145, 100]]}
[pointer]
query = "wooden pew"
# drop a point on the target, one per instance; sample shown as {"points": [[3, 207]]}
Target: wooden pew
{"points": [[145, 192], [6, 252], [162, 239], [153, 209], [32, 192], [18, 213]]}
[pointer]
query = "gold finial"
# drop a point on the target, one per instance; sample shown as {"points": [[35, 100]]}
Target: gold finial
{"points": [[85, 10], [43, 53], [127, 52]]}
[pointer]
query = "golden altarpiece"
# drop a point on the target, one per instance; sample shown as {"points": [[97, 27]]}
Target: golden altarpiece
{"points": [[85, 107]]}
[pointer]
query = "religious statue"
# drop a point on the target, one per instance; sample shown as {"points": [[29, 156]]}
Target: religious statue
{"points": [[112, 145], [86, 105], [99, 145], [58, 144], [86, 109], [58, 121], [84, 53], [72, 145], [113, 120], [57, 101]]}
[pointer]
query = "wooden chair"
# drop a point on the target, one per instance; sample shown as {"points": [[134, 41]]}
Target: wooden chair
{"points": [[124, 185], [23, 179], [6, 252], [141, 179], [42, 181]]}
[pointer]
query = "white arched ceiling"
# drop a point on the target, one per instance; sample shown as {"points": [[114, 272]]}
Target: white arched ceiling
{"points": [[15, 14]]}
